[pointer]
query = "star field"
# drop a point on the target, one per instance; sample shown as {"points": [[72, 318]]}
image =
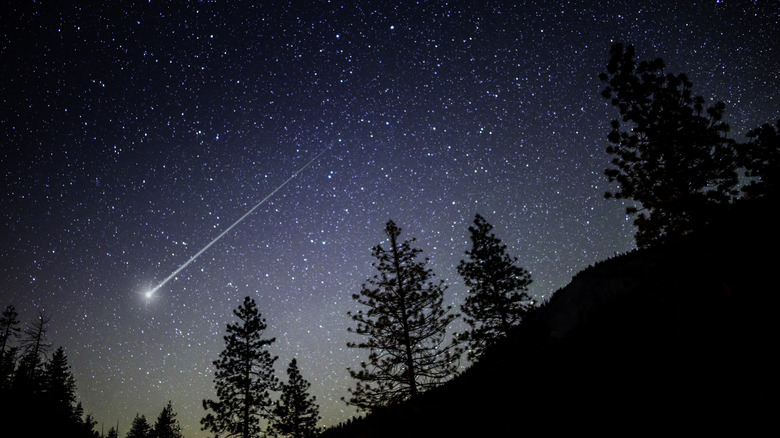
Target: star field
{"points": [[133, 134]]}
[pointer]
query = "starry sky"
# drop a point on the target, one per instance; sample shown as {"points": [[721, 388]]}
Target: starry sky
{"points": [[133, 134]]}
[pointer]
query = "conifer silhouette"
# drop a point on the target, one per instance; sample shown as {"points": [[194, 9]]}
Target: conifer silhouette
{"points": [[167, 426], [139, 428], [112, 433], [28, 381], [9, 328], [761, 159], [9, 332], [296, 412], [34, 388], [404, 328], [59, 390], [243, 378], [498, 298]]}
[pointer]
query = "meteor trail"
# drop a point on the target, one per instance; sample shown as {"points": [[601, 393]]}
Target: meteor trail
{"points": [[151, 292]]}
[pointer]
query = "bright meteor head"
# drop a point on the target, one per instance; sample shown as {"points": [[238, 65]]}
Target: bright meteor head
{"points": [[150, 293]]}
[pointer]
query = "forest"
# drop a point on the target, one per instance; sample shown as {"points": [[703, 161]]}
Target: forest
{"points": [[671, 332]]}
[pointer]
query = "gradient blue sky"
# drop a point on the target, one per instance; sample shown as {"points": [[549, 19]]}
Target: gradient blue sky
{"points": [[133, 134]]}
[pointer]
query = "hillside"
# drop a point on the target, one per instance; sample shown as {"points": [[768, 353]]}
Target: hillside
{"points": [[677, 337]]}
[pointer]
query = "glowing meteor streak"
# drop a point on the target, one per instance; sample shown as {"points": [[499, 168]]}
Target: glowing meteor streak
{"points": [[151, 292]]}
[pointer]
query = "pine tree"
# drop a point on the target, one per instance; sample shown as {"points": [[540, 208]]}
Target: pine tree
{"points": [[9, 332], [139, 428], [167, 426], [7, 367], [9, 329], [86, 427], [45, 388], [404, 327], [28, 380], [498, 298], [112, 433], [296, 413], [243, 378], [59, 393], [670, 155], [761, 159]]}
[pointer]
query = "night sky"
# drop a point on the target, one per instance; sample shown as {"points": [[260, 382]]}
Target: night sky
{"points": [[133, 135]]}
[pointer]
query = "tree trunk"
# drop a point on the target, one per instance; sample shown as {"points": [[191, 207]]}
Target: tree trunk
{"points": [[404, 320]]}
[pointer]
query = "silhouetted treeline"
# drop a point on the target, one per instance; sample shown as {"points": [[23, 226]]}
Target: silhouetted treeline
{"points": [[244, 380], [166, 426], [37, 389], [675, 337], [403, 321]]}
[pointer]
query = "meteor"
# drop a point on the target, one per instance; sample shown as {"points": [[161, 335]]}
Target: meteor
{"points": [[151, 292]]}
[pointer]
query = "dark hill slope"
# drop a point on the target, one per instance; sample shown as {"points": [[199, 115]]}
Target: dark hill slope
{"points": [[677, 338]]}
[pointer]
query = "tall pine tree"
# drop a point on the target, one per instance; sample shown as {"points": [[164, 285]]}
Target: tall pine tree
{"points": [[28, 378], [498, 290], [244, 377], [404, 327], [139, 428], [9, 329], [167, 426], [9, 332], [86, 425], [296, 412], [59, 394]]}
